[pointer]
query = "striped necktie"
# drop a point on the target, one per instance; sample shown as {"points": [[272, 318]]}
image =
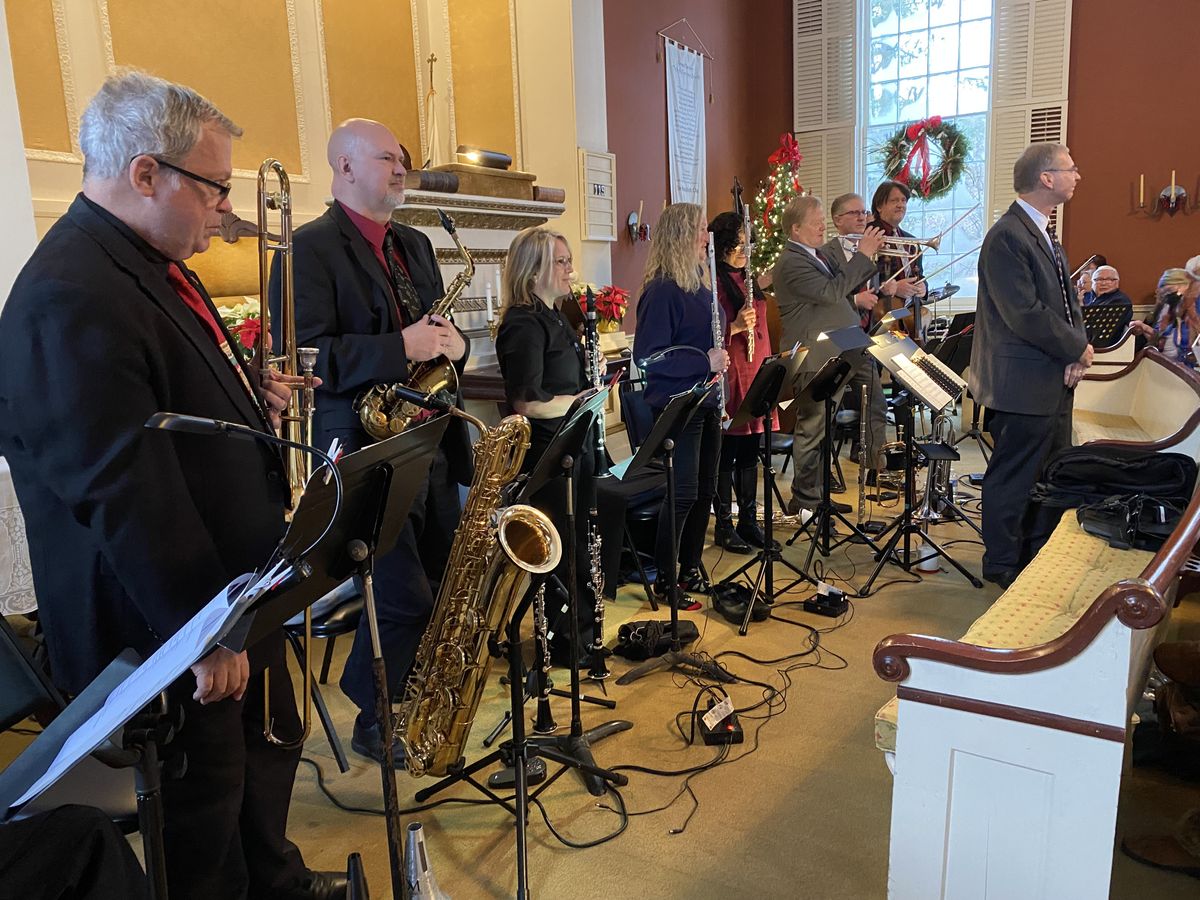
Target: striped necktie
{"points": [[1061, 269]]}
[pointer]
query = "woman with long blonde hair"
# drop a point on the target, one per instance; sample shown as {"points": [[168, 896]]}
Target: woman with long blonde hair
{"points": [[543, 366], [675, 311]]}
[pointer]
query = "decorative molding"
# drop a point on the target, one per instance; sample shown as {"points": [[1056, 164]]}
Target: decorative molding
{"points": [[67, 74], [518, 148], [448, 256], [472, 211], [451, 124], [110, 57], [419, 57], [324, 63], [1014, 714]]}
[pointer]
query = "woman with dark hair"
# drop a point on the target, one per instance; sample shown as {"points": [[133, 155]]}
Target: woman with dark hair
{"points": [[675, 311], [738, 469]]}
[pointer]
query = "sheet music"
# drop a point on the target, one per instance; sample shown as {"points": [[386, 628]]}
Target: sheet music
{"points": [[180, 651], [913, 377]]}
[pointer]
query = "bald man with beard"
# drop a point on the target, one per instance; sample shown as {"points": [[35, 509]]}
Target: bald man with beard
{"points": [[364, 286]]}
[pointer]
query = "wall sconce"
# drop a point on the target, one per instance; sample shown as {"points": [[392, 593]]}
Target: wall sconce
{"points": [[1170, 200], [638, 230]]}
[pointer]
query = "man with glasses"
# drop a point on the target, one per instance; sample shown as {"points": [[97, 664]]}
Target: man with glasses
{"points": [[849, 213], [1030, 351], [132, 531], [899, 276], [364, 285]]}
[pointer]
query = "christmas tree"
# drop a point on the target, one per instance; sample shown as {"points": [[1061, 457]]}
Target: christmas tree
{"points": [[783, 185]]}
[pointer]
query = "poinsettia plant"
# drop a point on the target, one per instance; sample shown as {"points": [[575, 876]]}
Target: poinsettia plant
{"points": [[244, 325], [611, 301]]}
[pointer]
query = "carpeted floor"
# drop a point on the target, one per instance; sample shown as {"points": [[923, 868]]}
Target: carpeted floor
{"points": [[800, 810]]}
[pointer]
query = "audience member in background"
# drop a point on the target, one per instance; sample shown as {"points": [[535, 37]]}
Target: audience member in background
{"points": [[1083, 284], [1171, 286], [1106, 292], [738, 469], [1176, 322]]}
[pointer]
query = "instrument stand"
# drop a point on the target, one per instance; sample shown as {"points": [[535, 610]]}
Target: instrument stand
{"points": [[761, 399], [935, 503], [517, 754], [976, 434], [905, 526]]}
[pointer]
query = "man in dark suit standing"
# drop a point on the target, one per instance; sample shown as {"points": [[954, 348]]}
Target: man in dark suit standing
{"points": [[132, 531], [1030, 352], [364, 286], [811, 289]]}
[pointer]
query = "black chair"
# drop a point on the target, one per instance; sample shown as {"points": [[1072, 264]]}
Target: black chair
{"points": [[335, 614], [26, 692]]}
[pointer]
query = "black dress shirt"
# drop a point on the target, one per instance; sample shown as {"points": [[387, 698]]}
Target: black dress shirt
{"points": [[540, 358]]}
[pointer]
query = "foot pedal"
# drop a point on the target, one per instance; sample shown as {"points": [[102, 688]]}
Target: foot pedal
{"points": [[535, 773]]}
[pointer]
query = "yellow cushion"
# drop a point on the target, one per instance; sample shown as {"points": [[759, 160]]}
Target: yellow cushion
{"points": [[1091, 425], [228, 270], [1047, 598]]}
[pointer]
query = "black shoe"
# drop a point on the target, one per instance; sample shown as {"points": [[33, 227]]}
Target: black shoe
{"points": [[693, 581], [683, 601], [1002, 577], [840, 507], [872, 478], [323, 886], [730, 538], [750, 532], [730, 601], [368, 741]]}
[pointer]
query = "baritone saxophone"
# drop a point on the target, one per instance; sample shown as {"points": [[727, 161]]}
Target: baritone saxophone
{"points": [[492, 560]]}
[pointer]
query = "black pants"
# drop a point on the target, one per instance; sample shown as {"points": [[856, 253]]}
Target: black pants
{"points": [[740, 451], [697, 454], [226, 817], [1023, 445], [72, 851]]}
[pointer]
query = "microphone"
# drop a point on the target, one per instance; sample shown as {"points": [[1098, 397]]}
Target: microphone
{"points": [[656, 357], [167, 421], [428, 401]]}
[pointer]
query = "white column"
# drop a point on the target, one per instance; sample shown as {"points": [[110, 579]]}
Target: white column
{"points": [[16, 200], [591, 119]]}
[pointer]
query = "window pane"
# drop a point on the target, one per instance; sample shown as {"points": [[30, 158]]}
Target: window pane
{"points": [[911, 99], [943, 12], [974, 129], [884, 59], [884, 19], [943, 49], [914, 54], [976, 44], [883, 103], [943, 94], [972, 90], [976, 9], [914, 15]]}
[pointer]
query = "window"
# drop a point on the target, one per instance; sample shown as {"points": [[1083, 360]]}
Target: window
{"points": [[932, 58]]}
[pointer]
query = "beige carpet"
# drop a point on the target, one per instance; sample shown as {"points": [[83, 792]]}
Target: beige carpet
{"points": [[806, 815]]}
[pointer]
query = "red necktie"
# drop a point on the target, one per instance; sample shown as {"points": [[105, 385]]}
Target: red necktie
{"points": [[188, 294]]}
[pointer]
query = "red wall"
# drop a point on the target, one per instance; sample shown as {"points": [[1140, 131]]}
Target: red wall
{"points": [[751, 86], [1132, 110]]}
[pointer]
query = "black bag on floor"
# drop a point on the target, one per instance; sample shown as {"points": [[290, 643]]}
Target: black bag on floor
{"points": [[647, 638]]}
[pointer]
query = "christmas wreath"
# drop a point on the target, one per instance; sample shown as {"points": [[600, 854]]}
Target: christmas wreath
{"points": [[906, 156]]}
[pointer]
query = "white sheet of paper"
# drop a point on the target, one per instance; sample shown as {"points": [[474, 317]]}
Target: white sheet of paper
{"points": [[152, 677]]}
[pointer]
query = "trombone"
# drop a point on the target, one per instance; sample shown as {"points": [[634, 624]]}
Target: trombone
{"points": [[292, 360]]}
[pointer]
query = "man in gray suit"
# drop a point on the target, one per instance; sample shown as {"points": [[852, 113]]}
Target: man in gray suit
{"points": [[811, 289], [849, 213], [1030, 351]]}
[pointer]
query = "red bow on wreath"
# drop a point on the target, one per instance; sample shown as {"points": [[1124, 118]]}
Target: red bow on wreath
{"points": [[918, 133], [788, 154]]}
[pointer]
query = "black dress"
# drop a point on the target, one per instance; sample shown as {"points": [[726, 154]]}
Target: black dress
{"points": [[540, 358]]}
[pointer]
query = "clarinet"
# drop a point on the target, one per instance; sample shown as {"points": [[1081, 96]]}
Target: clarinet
{"points": [[597, 661], [718, 332], [862, 458], [544, 723]]}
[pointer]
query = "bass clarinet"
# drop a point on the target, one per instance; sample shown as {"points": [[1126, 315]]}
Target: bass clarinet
{"points": [[597, 656]]}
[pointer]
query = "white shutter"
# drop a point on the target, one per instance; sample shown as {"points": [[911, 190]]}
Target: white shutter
{"points": [[1030, 57], [827, 168], [823, 64], [598, 190]]}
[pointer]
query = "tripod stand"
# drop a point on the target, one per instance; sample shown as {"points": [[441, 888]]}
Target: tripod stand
{"points": [[660, 444], [761, 399], [906, 526]]}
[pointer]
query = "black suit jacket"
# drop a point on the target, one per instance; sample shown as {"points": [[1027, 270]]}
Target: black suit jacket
{"points": [[130, 531], [1023, 341], [345, 308]]}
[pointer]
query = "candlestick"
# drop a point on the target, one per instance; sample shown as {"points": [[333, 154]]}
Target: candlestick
{"points": [[491, 315], [1142, 191]]}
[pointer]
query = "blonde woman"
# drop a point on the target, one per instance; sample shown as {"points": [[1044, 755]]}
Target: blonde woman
{"points": [[675, 310], [543, 366]]}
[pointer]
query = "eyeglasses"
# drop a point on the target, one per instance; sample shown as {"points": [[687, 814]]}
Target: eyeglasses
{"points": [[851, 212], [564, 261], [221, 189], [1073, 169], [1105, 278]]}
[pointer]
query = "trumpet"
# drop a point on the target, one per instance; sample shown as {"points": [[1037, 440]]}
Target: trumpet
{"points": [[894, 245], [293, 360]]}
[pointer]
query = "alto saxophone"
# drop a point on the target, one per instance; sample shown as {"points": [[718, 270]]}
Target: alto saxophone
{"points": [[491, 560], [381, 412]]}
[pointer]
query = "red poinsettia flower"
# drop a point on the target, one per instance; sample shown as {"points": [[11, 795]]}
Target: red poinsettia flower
{"points": [[611, 302], [248, 331]]}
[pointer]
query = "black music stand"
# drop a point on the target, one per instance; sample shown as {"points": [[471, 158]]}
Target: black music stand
{"points": [[1106, 324], [660, 444], [762, 397]]}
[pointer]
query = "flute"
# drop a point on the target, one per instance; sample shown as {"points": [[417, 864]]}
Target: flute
{"points": [[717, 331], [747, 235]]}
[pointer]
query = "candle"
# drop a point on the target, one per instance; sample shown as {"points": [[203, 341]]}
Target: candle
{"points": [[1141, 190], [491, 315], [499, 296], [1172, 185]]}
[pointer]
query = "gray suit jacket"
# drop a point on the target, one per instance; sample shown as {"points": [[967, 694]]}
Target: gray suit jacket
{"points": [[810, 301], [1023, 341]]}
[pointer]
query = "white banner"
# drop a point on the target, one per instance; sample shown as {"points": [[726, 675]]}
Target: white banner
{"points": [[685, 124]]}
